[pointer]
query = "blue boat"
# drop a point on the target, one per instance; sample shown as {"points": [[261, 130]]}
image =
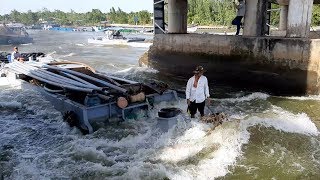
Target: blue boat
{"points": [[61, 29], [86, 97]]}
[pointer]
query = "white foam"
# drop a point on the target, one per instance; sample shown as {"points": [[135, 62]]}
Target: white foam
{"points": [[284, 121], [190, 150], [304, 98], [139, 44], [80, 44], [27, 44], [250, 97], [52, 53], [69, 55], [11, 105], [134, 70], [225, 143]]}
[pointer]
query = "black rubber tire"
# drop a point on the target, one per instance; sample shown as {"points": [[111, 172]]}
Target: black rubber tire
{"points": [[169, 112]]}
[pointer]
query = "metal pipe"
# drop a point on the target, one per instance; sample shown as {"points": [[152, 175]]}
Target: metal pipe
{"points": [[78, 79], [87, 77], [63, 78], [20, 70], [109, 79], [57, 78], [47, 76], [124, 80]]}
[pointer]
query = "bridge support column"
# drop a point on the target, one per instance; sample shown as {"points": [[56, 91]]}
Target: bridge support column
{"points": [[177, 16], [283, 17], [299, 18], [254, 21]]}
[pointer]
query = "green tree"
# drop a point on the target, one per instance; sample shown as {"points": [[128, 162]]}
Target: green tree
{"points": [[275, 15], [144, 17], [15, 16], [95, 16], [316, 15], [29, 18]]}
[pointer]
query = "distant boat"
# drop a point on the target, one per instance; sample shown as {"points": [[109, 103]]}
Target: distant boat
{"points": [[114, 37], [50, 26], [14, 33], [61, 29]]}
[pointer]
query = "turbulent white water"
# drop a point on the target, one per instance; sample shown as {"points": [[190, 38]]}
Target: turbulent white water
{"points": [[265, 138]]}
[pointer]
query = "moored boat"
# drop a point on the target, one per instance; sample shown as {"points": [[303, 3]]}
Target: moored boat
{"points": [[114, 36]]}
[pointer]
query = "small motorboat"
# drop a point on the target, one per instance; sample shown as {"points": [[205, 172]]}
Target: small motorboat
{"points": [[113, 36]]}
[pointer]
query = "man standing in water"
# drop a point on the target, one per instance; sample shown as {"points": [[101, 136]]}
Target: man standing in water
{"points": [[241, 9], [197, 92]]}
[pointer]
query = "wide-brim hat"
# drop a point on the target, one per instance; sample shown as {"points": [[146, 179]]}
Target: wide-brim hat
{"points": [[198, 70]]}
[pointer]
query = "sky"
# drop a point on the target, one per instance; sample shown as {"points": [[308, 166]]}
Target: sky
{"points": [[77, 5]]}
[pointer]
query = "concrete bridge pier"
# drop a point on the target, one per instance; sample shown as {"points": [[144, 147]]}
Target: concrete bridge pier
{"points": [[255, 18], [177, 16], [287, 65], [299, 18]]}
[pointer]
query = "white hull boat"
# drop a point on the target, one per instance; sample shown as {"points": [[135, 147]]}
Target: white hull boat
{"points": [[134, 42], [114, 37]]}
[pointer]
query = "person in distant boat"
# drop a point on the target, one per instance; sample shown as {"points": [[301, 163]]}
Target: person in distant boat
{"points": [[241, 9], [197, 92], [117, 35], [16, 56]]}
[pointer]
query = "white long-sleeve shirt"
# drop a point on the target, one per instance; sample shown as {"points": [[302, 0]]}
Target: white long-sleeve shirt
{"points": [[199, 93]]}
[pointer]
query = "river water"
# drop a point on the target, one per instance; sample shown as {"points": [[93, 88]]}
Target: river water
{"points": [[266, 137]]}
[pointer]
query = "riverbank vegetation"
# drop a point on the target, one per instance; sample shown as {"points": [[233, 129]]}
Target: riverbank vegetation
{"points": [[200, 12], [73, 18], [222, 12]]}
